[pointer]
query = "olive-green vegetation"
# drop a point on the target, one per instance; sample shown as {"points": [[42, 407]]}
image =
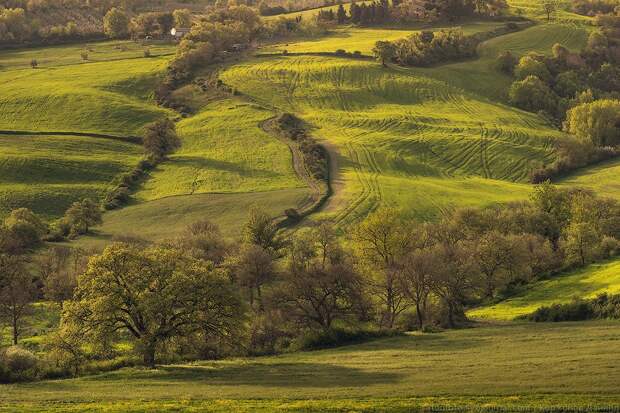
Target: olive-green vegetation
{"points": [[583, 283], [535, 366]]}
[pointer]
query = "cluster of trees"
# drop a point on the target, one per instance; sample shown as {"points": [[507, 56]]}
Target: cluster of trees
{"points": [[427, 48], [200, 295], [563, 80], [118, 25], [579, 91], [45, 21], [411, 11], [594, 7]]}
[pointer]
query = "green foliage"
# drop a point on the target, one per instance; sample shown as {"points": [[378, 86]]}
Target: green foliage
{"points": [[116, 24], [597, 122], [160, 139], [532, 94]]}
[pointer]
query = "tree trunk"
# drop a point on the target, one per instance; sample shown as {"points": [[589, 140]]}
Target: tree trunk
{"points": [[418, 310], [15, 331], [149, 355]]}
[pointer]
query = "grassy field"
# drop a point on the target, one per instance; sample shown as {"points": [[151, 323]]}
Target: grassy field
{"points": [[111, 97], [364, 39], [111, 94], [584, 283], [165, 218], [403, 138], [602, 178], [48, 173], [224, 150], [565, 365]]}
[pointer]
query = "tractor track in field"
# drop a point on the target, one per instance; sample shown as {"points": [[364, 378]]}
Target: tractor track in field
{"points": [[129, 139]]}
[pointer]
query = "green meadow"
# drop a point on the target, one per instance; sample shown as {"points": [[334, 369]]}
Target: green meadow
{"points": [[517, 367], [223, 150], [399, 134], [363, 39], [48, 173], [584, 283]]}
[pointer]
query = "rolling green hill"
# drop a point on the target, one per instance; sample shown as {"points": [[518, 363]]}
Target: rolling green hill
{"points": [[223, 150], [403, 139], [583, 283], [109, 94], [363, 38], [526, 367]]}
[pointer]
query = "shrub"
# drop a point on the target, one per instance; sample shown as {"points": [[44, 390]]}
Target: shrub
{"points": [[334, 337], [341, 52], [18, 364], [506, 62], [533, 94], [578, 310]]}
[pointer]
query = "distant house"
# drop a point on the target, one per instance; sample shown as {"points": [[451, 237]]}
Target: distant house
{"points": [[179, 32]]}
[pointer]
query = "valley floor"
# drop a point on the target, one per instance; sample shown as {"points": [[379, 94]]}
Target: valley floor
{"points": [[506, 367]]}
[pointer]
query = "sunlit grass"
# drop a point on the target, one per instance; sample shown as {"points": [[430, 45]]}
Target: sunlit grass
{"points": [[584, 283]]}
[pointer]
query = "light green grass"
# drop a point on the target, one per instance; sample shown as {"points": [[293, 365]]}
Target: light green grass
{"points": [[364, 39], [112, 97], [54, 56], [404, 138], [602, 178], [166, 218], [224, 150], [48, 173], [519, 365], [533, 9], [584, 283]]}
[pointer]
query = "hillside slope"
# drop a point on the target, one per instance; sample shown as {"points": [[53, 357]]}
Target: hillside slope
{"points": [[584, 283]]}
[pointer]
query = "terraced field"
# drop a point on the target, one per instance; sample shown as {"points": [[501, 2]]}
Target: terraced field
{"points": [[585, 283]]}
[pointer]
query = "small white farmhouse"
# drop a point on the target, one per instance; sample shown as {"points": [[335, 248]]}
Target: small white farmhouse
{"points": [[179, 32]]}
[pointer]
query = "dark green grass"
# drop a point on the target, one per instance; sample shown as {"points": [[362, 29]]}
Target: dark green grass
{"points": [[517, 365]]}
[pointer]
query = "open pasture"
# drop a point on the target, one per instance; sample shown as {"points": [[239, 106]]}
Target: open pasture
{"points": [[363, 39], [224, 150], [492, 368], [403, 139], [109, 97], [584, 283], [48, 173]]}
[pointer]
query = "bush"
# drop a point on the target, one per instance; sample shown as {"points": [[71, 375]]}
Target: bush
{"points": [[18, 364], [341, 52], [334, 337], [578, 310]]}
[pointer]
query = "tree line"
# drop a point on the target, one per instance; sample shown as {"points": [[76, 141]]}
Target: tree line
{"points": [[201, 295]]}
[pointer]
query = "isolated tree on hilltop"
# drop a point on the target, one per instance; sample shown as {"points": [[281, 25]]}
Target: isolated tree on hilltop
{"points": [[549, 7], [160, 138]]}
